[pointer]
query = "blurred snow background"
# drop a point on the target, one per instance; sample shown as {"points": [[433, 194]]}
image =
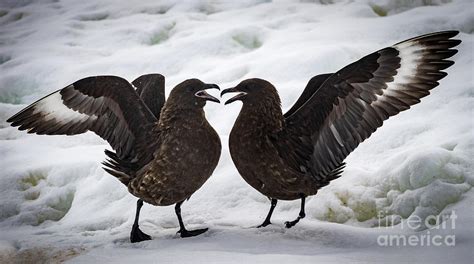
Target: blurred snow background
{"points": [[56, 203]]}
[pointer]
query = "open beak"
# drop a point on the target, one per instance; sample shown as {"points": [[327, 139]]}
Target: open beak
{"points": [[203, 94], [235, 98]]}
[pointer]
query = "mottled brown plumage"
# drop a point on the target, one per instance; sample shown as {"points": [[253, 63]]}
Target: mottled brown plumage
{"points": [[290, 156], [164, 151], [187, 151]]}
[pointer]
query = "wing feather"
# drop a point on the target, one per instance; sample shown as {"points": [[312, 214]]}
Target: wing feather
{"points": [[151, 88], [349, 105], [106, 105]]}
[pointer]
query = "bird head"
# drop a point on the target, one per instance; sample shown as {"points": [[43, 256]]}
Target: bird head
{"points": [[192, 94], [253, 92], [260, 102]]}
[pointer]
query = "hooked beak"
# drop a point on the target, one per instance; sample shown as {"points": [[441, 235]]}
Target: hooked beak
{"points": [[203, 94], [235, 98]]}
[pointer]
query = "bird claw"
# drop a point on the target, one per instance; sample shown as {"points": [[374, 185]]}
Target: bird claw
{"points": [[291, 224], [138, 236], [264, 224], [190, 233]]}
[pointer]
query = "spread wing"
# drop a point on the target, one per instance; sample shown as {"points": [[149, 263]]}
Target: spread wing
{"points": [[106, 105], [352, 103], [312, 86], [151, 89]]}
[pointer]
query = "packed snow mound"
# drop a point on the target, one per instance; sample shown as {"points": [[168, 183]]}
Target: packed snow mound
{"points": [[390, 7], [422, 184]]}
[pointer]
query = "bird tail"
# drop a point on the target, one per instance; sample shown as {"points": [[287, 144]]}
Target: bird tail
{"points": [[122, 169], [332, 175]]}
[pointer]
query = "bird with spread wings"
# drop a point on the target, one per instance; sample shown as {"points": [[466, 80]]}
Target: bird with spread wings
{"points": [[158, 154], [291, 156]]}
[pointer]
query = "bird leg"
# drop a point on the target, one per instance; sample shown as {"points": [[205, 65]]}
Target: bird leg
{"points": [[301, 215], [137, 235], [269, 215], [182, 230]]}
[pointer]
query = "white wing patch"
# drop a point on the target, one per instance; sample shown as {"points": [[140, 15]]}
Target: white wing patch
{"points": [[52, 107], [336, 135], [410, 56]]}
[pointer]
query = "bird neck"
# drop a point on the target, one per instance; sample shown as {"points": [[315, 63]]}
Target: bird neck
{"points": [[262, 117], [169, 115]]}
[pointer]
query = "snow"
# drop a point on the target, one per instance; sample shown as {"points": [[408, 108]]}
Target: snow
{"points": [[58, 204]]}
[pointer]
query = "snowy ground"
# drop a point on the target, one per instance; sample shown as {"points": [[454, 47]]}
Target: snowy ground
{"points": [[58, 204]]}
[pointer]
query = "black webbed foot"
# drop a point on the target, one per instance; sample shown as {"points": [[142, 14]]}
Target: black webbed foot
{"points": [[182, 230], [137, 235], [264, 224], [290, 224], [190, 233], [269, 215]]}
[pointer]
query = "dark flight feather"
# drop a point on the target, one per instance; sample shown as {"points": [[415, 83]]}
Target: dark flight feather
{"points": [[151, 89], [106, 105], [349, 105]]}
